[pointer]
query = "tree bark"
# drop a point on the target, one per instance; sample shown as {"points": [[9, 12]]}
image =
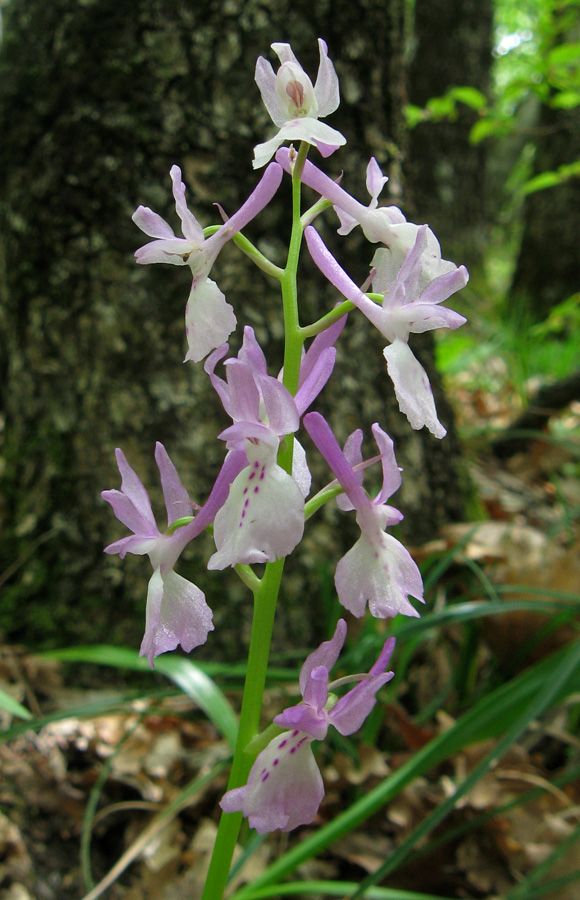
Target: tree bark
{"points": [[98, 100], [548, 266], [452, 44]]}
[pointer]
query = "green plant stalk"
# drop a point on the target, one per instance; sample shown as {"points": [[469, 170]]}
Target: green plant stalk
{"points": [[265, 601], [266, 591]]}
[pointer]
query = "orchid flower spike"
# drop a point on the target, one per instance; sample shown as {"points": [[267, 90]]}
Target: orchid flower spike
{"points": [[284, 787], [295, 106], [407, 307], [378, 569], [176, 609], [263, 516], [209, 319]]}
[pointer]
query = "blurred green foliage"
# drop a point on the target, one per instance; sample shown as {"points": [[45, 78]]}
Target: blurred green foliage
{"points": [[537, 59]]}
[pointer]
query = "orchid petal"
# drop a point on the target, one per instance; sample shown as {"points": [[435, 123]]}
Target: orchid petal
{"points": [[177, 500], [176, 614], [284, 788], [391, 472], [266, 80], [136, 544], [326, 655], [190, 227], [263, 516], [384, 574], [300, 471], [126, 512], [412, 388], [375, 181], [151, 223], [326, 89], [280, 407], [172, 251], [132, 487], [209, 319], [350, 712], [310, 717], [321, 135]]}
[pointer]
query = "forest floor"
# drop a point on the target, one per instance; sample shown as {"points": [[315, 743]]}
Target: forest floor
{"points": [[97, 799]]}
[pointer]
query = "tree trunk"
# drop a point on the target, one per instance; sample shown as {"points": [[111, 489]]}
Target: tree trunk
{"points": [[97, 101], [548, 266], [452, 44]]}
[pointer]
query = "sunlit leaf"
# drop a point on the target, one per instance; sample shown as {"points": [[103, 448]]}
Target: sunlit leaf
{"points": [[13, 707]]}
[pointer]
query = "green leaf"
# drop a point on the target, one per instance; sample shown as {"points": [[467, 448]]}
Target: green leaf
{"points": [[185, 674], [565, 100], [564, 55], [442, 107], [488, 128], [13, 707], [470, 96], [414, 115], [542, 181]]}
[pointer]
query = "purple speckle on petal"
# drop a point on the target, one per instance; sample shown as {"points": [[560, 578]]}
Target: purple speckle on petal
{"points": [[295, 732], [283, 743], [265, 776], [276, 761], [256, 489]]}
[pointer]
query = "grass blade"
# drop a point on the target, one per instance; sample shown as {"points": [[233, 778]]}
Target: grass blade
{"points": [[185, 674], [110, 704], [335, 889], [538, 706], [13, 707]]}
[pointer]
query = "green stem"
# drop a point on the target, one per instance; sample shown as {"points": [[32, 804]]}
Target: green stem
{"points": [[327, 320], [265, 590], [262, 623], [293, 338]]}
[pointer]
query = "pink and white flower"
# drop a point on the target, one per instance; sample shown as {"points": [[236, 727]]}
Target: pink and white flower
{"points": [[209, 319], [176, 609], [380, 224], [263, 516], [295, 105], [378, 570], [409, 305], [284, 787]]}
